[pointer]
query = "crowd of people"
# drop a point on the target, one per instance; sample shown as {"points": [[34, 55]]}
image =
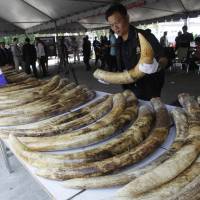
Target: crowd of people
{"points": [[183, 49], [24, 57], [105, 48], [104, 51]]}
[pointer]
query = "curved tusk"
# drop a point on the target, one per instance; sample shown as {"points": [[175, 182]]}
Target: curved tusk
{"points": [[133, 74]]}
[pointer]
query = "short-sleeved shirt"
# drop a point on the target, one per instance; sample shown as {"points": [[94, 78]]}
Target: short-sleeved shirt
{"points": [[128, 56], [185, 39], [40, 50], [164, 41]]}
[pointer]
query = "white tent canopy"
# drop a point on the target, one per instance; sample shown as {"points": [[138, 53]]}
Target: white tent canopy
{"points": [[35, 16], [7, 28]]}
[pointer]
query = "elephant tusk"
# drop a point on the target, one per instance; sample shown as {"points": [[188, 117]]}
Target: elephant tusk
{"points": [[133, 74]]}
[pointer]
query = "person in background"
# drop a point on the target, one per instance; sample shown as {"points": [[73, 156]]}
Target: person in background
{"points": [[163, 40], [105, 51], [183, 50], [29, 57], [102, 52], [75, 49], [2, 58], [63, 55], [17, 54], [195, 55], [112, 61], [6, 55], [86, 52], [97, 49], [185, 38], [67, 45], [128, 54], [41, 55], [177, 40]]}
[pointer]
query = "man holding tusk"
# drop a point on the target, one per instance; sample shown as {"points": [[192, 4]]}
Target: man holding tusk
{"points": [[128, 54]]}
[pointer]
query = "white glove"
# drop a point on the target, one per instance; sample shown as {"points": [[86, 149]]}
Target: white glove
{"points": [[101, 81], [149, 68]]}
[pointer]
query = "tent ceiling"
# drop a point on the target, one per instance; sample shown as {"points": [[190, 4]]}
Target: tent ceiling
{"points": [[9, 28], [151, 10], [20, 13], [155, 10], [74, 15], [60, 8], [28, 13], [191, 5]]}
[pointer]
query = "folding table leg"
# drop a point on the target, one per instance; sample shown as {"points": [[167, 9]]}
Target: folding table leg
{"points": [[5, 156]]}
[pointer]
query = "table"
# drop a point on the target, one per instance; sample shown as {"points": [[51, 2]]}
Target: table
{"points": [[58, 192]]}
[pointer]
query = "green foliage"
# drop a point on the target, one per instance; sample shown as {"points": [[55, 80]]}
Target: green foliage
{"points": [[9, 39]]}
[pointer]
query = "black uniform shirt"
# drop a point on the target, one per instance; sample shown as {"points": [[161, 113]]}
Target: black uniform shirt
{"points": [[185, 39], [128, 55]]}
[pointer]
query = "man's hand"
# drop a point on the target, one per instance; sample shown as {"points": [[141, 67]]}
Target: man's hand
{"points": [[149, 68]]}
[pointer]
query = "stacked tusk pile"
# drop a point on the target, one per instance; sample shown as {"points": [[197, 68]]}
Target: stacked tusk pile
{"points": [[126, 131]]}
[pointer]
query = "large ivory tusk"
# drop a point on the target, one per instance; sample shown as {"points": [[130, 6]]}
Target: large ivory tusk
{"points": [[133, 74]]}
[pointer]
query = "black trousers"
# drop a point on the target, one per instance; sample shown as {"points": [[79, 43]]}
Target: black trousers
{"points": [[97, 57], [86, 60], [42, 63], [27, 68]]}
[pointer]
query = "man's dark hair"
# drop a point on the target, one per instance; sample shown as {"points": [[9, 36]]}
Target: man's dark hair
{"points": [[116, 8], [27, 40], [184, 27], [148, 30]]}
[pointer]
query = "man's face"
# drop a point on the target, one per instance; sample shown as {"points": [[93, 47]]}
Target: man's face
{"points": [[119, 24]]}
